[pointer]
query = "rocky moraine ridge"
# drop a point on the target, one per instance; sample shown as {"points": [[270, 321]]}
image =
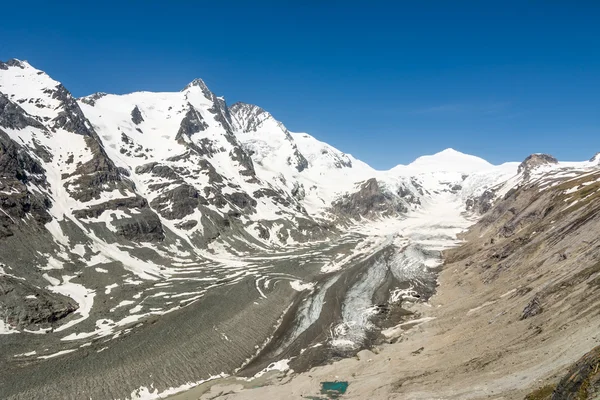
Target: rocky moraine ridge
{"points": [[146, 230]]}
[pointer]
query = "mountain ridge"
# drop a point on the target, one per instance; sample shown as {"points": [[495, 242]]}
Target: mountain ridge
{"points": [[121, 213]]}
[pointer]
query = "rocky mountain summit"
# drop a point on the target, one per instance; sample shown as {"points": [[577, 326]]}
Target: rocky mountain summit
{"points": [[123, 216]]}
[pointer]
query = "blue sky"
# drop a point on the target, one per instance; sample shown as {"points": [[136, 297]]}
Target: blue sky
{"points": [[384, 81]]}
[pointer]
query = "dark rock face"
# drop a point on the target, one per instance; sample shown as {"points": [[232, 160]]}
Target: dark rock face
{"points": [[14, 117], [187, 225], [239, 155], [143, 227], [179, 202], [190, 124], [240, 199], [582, 381], [91, 100], [11, 63], [533, 161], [136, 116], [298, 160], [370, 200], [20, 310], [99, 173], [408, 195], [532, 309], [596, 158], [298, 191], [276, 197], [70, 118], [17, 169], [221, 112], [481, 204], [254, 115], [199, 83]]}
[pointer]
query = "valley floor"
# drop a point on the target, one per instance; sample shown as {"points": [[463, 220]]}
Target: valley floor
{"points": [[514, 310], [468, 344]]}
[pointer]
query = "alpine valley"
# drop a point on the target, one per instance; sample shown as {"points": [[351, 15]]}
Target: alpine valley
{"points": [[153, 243]]}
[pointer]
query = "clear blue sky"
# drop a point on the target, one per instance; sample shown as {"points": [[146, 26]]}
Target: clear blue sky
{"points": [[385, 81]]}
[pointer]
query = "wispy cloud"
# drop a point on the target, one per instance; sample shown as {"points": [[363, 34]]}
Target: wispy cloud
{"points": [[463, 108]]}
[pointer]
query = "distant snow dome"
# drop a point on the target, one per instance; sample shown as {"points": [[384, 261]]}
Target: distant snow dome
{"points": [[448, 160]]}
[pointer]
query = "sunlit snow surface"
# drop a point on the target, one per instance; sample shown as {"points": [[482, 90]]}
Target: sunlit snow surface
{"points": [[442, 182]]}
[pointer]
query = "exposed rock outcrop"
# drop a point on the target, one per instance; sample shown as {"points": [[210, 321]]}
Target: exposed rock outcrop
{"points": [[369, 201], [191, 124], [582, 381], [23, 305], [482, 203], [533, 161], [17, 201], [136, 116]]}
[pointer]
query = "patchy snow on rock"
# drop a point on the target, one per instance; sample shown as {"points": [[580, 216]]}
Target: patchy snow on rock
{"points": [[57, 354], [83, 296], [6, 329], [300, 286], [145, 393]]}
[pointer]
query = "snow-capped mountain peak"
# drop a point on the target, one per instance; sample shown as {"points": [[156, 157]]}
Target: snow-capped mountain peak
{"points": [[448, 160], [199, 83], [249, 117]]}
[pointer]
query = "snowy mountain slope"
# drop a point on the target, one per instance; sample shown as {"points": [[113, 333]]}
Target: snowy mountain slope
{"points": [[312, 171], [118, 209], [79, 177], [448, 160], [164, 190]]}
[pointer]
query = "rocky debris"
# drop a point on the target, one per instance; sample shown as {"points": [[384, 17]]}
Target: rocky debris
{"points": [[136, 116], [533, 161], [23, 305], [532, 309], [369, 201], [582, 381]]}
